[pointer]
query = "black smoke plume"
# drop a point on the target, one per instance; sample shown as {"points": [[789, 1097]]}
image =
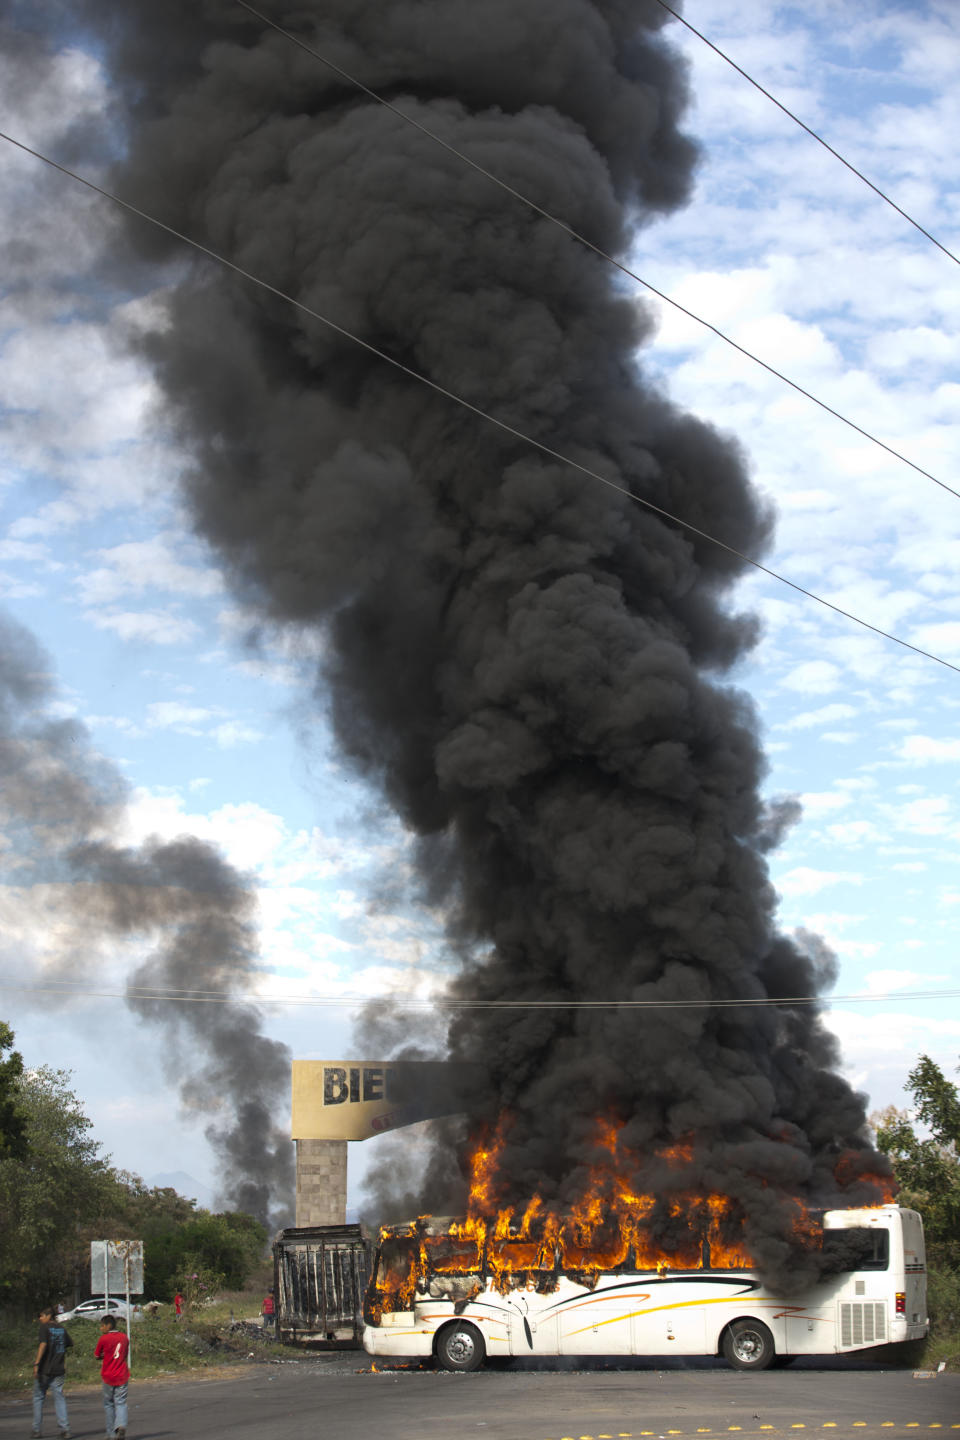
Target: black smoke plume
{"points": [[61, 810], [529, 665]]}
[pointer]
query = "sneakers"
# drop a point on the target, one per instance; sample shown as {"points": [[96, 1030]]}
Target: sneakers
{"points": [[120, 1433], [65, 1435]]}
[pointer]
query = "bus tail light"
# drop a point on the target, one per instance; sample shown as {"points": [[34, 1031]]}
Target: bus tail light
{"points": [[901, 1300]]}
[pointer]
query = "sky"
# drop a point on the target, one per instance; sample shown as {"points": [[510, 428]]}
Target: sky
{"points": [[211, 718]]}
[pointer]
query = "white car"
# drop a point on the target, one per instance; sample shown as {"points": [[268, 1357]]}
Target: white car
{"points": [[96, 1308]]}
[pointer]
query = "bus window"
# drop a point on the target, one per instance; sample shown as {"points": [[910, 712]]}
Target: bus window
{"points": [[857, 1248]]}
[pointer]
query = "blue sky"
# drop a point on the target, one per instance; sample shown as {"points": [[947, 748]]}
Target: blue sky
{"points": [[219, 735]]}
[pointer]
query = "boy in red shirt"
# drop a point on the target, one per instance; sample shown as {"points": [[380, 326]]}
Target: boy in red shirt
{"points": [[111, 1351]]}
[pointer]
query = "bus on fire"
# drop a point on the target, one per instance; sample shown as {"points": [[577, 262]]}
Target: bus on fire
{"points": [[433, 1294]]}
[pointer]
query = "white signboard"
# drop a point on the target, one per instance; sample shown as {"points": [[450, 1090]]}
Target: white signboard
{"points": [[116, 1267]]}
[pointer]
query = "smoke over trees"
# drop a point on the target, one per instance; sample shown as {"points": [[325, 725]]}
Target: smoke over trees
{"points": [[529, 665], [177, 903]]}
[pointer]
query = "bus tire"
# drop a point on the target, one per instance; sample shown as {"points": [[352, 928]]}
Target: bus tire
{"points": [[748, 1345], [460, 1347]]}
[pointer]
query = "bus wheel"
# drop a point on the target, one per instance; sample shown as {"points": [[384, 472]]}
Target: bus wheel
{"points": [[748, 1345], [460, 1347]]}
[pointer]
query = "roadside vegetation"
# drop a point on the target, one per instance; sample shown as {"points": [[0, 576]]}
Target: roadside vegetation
{"points": [[224, 1332], [58, 1192], [923, 1144]]}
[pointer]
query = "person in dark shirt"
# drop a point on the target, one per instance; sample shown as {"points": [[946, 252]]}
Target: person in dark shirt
{"points": [[112, 1350], [48, 1372]]}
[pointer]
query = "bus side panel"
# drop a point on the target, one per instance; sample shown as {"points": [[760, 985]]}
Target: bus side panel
{"points": [[810, 1330], [598, 1322], [915, 1274]]}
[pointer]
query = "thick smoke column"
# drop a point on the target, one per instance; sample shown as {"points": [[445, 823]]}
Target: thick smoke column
{"points": [[527, 663], [61, 811]]}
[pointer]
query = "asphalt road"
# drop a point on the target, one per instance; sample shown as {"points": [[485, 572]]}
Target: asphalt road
{"points": [[340, 1396]]}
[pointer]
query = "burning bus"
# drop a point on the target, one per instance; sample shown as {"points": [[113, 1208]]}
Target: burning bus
{"points": [[462, 1290]]}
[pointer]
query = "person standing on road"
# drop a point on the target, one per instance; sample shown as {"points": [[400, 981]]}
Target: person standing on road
{"points": [[112, 1350], [49, 1369]]}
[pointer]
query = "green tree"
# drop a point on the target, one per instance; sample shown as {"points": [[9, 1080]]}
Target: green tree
{"points": [[227, 1247], [928, 1169], [13, 1125], [54, 1196]]}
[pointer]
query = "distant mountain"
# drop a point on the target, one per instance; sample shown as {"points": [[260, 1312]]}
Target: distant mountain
{"points": [[185, 1185]]}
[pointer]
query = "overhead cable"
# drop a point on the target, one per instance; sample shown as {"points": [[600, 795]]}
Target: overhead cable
{"points": [[812, 133], [610, 259], [405, 1001], [475, 409]]}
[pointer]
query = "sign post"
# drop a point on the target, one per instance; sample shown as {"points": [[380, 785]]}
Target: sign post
{"points": [[120, 1263]]}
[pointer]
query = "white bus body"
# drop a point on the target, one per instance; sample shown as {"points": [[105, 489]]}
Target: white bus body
{"points": [[692, 1312]]}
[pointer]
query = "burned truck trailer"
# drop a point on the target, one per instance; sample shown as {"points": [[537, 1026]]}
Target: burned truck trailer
{"points": [[320, 1275]]}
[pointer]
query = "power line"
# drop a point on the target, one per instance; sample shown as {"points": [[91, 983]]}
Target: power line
{"points": [[443, 1002], [812, 133], [476, 409], [610, 259]]}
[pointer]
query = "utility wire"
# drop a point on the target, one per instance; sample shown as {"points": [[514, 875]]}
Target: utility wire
{"points": [[442, 1002], [610, 259], [812, 133], [475, 409]]}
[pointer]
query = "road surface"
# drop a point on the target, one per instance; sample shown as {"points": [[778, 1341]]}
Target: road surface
{"points": [[341, 1397]]}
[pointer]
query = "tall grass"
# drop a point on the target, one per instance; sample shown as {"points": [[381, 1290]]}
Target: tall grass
{"points": [[161, 1345]]}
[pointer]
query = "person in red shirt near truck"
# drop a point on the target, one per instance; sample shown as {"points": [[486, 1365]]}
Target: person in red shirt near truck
{"points": [[112, 1349]]}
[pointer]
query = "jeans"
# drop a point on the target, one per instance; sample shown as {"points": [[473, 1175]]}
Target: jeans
{"points": [[40, 1387], [114, 1407]]}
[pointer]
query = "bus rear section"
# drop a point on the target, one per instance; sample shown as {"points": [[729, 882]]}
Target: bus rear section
{"points": [[432, 1295]]}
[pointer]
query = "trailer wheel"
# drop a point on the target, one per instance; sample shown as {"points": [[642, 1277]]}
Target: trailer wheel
{"points": [[748, 1345], [461, 1347]]}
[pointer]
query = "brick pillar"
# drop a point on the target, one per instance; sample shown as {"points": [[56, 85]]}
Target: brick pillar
{"points": [[321, 1182]]}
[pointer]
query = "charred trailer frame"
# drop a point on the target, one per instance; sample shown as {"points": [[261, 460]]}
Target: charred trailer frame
{"points": [[320, 1275]]}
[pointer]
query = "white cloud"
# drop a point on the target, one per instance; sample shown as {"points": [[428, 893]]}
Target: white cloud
{"points": [[151, 627], [854, 832], [232, 733], [823, 802], [804, 880], [930, 816], [154, 564], [826, 715], [171, 714], [921, 748], [813, 677]]}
